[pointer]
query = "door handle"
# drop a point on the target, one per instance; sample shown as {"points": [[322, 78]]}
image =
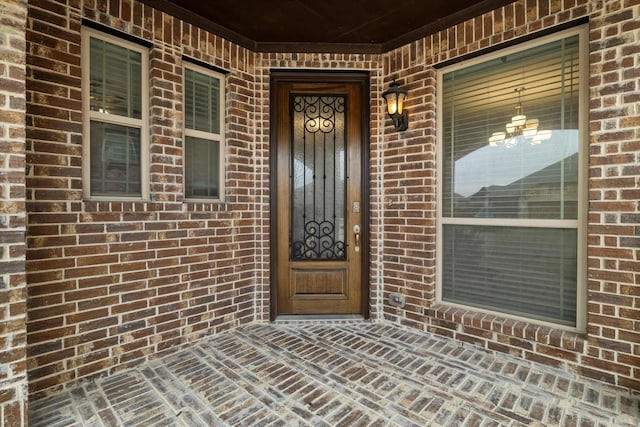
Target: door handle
{"points": [[356, 232]]}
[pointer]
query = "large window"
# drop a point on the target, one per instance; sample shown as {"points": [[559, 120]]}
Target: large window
{"points": [[204, 133], [511, 181], [115, 116]]}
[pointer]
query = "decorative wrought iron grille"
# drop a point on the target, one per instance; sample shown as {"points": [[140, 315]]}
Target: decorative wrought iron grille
{"points": [[318, 177]]}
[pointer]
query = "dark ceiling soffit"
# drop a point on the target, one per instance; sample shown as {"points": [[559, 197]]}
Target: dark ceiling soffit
{"points": [[363, 48]]}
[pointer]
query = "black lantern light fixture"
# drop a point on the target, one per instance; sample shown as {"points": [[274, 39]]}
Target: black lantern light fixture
{"points": [[395, 98]]}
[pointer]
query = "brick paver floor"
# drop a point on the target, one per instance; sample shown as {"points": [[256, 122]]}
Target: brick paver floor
{"points": [[337, 374]]}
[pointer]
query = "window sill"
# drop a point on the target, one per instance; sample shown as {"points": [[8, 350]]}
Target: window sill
{"points": [[514, 336], [204, 200]]}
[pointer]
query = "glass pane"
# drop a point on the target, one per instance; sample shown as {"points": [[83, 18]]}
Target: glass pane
{"points": [[319, 177], [530, 171], [115, 160], [523, 271], [202, 102], [115, 79], [202, 166]]}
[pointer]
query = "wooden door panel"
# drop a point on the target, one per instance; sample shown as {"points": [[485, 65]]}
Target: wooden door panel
{"points": [[314, 280]]}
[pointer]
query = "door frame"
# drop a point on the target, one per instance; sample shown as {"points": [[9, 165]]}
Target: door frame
{"points": [[278, 77]]}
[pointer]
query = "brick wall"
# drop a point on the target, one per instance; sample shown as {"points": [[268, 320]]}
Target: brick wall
{"points": [[13, 380], [115, 283], [613, 344], [610, 351], [409, 189]]}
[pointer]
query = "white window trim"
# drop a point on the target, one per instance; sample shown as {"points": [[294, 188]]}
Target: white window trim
{"points": [[220, 138], [88, 116], [580, 224]]}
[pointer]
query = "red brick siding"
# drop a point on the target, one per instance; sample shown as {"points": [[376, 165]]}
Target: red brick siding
{"points": [[13, 293], [610, 351], [613, 344], [112, 284], [409, 188]]}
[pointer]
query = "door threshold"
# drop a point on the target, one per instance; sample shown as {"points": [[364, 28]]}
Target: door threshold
{"points": [[319, 317]]}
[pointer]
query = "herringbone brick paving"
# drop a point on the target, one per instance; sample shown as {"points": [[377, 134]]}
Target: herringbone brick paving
{"points": [[337, 374]]}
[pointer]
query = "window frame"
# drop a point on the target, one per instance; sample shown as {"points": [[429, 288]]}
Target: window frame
{"points": [[209, 136], [579, 224], [88, 115]]}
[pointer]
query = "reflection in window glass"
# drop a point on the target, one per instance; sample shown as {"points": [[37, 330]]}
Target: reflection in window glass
{"points": [[510, 157], [489, 267], [115, 160], [204, 139], [202, 93], [115, 83], [522, 176], [202, 160], [114, 118]]}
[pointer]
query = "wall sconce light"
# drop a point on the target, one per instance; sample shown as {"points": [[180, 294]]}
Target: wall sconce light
{"points": [[395, 97]]}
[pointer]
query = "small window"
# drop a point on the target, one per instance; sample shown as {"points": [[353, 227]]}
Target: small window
{"points": [[204, 133], [511, 205], [115, 110]]}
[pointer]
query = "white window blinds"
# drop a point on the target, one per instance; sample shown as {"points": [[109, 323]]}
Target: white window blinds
{"points": [[509, 187], [204, 139], [202, 94], [115, 107]]}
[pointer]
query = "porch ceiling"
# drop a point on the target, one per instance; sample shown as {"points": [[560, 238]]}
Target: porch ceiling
{"points": [[352, 26]]}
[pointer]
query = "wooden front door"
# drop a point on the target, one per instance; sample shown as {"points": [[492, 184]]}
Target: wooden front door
{"points": [[319, 199]]}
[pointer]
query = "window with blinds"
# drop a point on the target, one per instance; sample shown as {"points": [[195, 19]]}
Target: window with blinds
{"points": [[115, 108], [204, 133], [510, 181]]}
